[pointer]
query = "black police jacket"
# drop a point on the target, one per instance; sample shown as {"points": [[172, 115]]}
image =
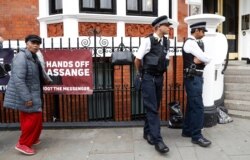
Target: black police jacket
{"points": [[188, 58], [155, 60]]}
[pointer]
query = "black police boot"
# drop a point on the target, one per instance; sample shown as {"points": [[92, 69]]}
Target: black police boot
{"points": [[161, 147], [148, 138], [203, 142]]}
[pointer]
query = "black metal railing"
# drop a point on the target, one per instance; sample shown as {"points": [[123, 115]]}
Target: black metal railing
{"points": [[100, 105]]}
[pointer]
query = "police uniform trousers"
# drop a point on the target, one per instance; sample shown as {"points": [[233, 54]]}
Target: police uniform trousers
{"points": [[194, 116], [152, 94]]}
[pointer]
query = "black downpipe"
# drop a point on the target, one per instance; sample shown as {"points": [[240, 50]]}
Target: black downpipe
{"points": [[226, 64]]}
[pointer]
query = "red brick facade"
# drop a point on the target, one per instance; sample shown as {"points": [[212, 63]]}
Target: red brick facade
{"points": [[55, 30], [18, 18], [182, 13], [137, 30], [103, 29]]}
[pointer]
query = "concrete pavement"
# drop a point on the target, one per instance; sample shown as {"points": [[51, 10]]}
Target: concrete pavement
{"points": [[229, 142]]}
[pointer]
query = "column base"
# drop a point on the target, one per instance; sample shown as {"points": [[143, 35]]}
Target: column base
{"points": [[210, 116]]}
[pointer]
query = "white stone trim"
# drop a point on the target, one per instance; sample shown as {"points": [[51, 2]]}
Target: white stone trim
{"points": [[97, 18], [71, 16]]}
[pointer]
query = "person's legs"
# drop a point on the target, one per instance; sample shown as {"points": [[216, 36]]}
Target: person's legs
{"points": [[38, 129], [150, 103], [196, 112], [186, 132], [196, 120], [30, 131], [152, 91], [31, 125], [159, 85], [146, 127], [186, 129]]}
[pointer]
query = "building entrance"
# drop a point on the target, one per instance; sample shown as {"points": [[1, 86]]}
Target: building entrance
{"points": [[229, 9]]}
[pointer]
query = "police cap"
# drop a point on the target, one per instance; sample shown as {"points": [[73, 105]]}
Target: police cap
{"points": [[200, 25], [161, 20]]}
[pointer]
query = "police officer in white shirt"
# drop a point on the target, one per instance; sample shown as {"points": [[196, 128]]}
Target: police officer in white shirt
{"points": [[151, 62], [194, 60]]}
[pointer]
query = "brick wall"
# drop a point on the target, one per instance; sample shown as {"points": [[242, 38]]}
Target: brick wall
{"points": [[18, 18], [55, 29], [122, 94], [182, 13]]}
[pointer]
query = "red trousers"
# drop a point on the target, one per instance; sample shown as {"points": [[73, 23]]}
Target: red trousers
{"points": [[31, 127]]}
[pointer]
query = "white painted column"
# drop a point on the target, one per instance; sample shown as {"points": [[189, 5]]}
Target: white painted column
{"points": [[43, 29], [70, 7], [163, 7], [175, 15], [43, 12], [70, 22], [120, 29], [121, 11], [43, 8], [70, 27], [121, 7]]}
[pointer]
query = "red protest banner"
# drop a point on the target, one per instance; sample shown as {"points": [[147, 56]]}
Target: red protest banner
{"points": [[70, 70]]}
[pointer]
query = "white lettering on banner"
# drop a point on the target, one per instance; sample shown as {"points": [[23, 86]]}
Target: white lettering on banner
{"points": [[67, 64], [76, 88], [52, 88], [81, 64], [59, 64], [86, 88], [71, 71], [68, 72], [68, 68]]}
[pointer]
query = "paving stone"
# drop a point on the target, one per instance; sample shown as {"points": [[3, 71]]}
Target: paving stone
{"points": [[229, 142]]}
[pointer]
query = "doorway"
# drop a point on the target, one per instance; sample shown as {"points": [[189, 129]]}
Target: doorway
{"points": [[229, 9]]}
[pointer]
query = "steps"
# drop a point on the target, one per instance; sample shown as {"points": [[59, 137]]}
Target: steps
{"points": [[237, 89]]}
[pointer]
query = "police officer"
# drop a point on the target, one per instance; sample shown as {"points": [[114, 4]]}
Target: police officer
{"points": [[194, 60], [151, 62]]}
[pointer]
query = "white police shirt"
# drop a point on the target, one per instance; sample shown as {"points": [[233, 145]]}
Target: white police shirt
{"points": [[191, 46], [146, 46]]}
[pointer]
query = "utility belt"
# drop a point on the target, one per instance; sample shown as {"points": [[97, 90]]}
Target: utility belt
{"points": [[190, 72], [156, 73]]}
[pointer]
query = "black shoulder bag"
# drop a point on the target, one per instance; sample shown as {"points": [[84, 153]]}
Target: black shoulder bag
{"points": [[122, 57]]}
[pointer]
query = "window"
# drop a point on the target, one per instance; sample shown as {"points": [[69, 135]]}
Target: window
{"points": [[55, 6], [210, 6], [142, 7], [98, 6]]}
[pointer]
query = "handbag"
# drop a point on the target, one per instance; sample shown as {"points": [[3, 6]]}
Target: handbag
{"points": [[122, 58]]}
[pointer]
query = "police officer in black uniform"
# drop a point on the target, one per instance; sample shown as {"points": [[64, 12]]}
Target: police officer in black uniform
{"points": [[151, 62], [194, 60]]}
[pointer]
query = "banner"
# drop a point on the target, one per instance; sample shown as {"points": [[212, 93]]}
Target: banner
{"points": [[6, 56], [70, 70]]}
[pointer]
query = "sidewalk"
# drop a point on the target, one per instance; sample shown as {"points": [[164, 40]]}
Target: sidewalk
{"points": [[229, 142]]}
